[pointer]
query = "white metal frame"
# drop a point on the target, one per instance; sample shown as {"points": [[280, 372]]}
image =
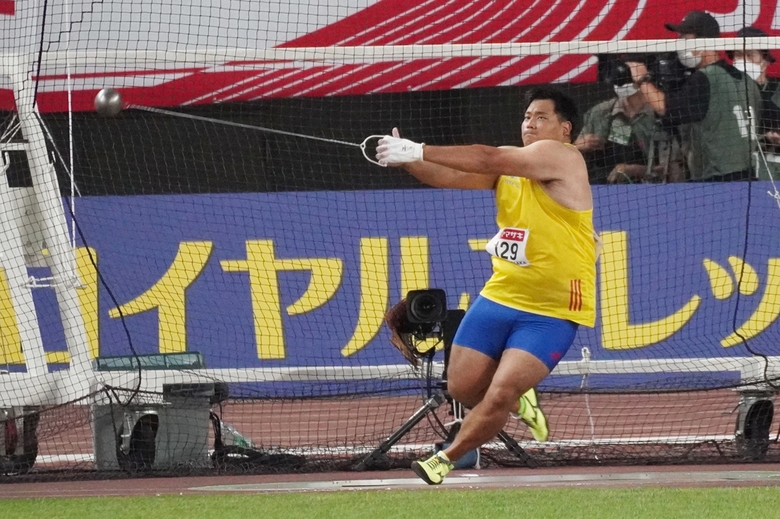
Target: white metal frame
{"points": [[35, 216]]}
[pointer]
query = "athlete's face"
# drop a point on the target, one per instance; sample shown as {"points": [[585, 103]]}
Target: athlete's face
{"points": [[541, 123]]}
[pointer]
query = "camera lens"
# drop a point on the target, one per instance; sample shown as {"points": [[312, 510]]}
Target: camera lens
{"points": [[426, 308]]}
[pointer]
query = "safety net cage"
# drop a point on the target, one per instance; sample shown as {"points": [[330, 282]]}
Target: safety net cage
{"points": [[198, 248]]}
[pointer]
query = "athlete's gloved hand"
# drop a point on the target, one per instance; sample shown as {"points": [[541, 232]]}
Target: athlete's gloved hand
{"points": [[392, 150]]}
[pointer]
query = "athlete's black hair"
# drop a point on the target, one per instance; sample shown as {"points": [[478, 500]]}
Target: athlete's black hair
{"points": [[564, 106]]}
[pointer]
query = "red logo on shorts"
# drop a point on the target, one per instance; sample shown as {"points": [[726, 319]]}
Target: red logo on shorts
{"points": [[7, 7]]}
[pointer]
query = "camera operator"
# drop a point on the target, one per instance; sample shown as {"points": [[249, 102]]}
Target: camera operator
{"points": [[755, 64], [711, 106], [622, 139]]}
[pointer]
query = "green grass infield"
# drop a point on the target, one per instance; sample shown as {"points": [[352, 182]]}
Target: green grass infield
{"points": [[439, 503]]}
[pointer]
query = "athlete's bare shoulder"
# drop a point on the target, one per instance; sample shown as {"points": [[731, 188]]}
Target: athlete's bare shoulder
{"points": [[567, 182], [554, 148], [558, 159], [576, 158]]}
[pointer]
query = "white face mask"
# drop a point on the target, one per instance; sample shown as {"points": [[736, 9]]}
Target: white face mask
{"points": [[688, 59], [625, 91], [753, 70]]}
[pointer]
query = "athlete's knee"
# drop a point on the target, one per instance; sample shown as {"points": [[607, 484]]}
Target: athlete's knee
{"points": [[469, 375], [502, 397], [464, 393]]}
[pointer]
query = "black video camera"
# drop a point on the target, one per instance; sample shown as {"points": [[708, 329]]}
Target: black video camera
{"points": [[426, 311], [665, 69]]}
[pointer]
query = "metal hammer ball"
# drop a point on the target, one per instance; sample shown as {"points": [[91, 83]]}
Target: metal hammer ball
{"points": [[108, 102]]}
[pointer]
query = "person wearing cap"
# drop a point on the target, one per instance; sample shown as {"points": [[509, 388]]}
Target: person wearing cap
{"points": [[620, 136], [755, 63], [711, 107]]}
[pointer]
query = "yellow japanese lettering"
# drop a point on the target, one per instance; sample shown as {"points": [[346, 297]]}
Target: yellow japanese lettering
{"points": [[326, 274], [88, 297], [10, 338], [264, 292], [262, 266], [478, 244], [57, 357], [168, 296], [745, 275], [616, 331], [766, 312], [720, 280], [374, 293], [88, 303], [414, 264]]}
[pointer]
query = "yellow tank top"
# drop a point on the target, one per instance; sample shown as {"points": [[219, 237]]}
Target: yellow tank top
{"points": [[544, 255]]}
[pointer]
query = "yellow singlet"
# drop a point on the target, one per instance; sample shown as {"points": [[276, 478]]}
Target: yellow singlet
{"points": [[544, 255]]}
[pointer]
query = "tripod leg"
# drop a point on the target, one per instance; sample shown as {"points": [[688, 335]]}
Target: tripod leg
{"points": [[518, 451], [376, 457]]}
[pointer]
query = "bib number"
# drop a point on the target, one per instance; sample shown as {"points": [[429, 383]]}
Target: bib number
{"points": [[509, 244]]}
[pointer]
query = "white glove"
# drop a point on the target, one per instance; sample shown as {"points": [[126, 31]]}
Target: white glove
{"points": [[394, 150]]}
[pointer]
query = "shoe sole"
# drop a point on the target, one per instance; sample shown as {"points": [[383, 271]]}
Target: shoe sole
{"points": [[422, 474]]}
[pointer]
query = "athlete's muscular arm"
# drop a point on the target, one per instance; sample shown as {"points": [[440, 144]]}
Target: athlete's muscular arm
{"points": [[543, 160], [442, 176], [559, 168]]}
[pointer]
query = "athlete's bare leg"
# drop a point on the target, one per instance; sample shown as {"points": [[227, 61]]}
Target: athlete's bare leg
{"points": [[518, 371], [469, 373]]}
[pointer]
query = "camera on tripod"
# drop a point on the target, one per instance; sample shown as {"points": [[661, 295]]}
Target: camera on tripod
{"points": [[420, 316], [426, 311]]}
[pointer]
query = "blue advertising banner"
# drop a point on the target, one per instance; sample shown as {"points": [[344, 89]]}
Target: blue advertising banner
{"points": [[250, 284]]}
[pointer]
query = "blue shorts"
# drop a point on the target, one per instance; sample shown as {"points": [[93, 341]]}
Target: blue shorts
{"points": [[490, 328]]}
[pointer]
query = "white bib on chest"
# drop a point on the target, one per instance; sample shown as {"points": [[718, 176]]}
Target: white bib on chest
{"points": [[509, 244]]}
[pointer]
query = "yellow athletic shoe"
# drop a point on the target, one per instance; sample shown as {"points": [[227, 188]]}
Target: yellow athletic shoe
{"points": [[533, 416], [433, 470]]}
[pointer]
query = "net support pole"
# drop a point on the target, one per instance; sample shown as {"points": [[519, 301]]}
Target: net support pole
{"points": [[12, 262], [12, 257], [46, 208]]}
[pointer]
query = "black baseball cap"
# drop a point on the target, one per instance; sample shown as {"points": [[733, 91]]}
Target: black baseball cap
{"points": [[753, 32], [698, 23], [621, 75]]}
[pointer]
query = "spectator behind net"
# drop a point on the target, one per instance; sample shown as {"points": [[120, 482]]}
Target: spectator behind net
{"points": [[621, 136], [756, 63], [711, 107]]}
